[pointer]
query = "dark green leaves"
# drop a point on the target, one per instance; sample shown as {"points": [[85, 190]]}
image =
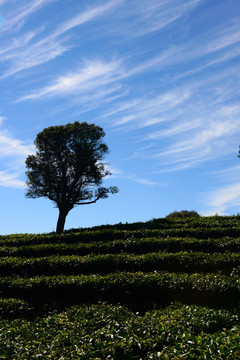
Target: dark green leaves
{"points": [[105, 331], [121, 264]]}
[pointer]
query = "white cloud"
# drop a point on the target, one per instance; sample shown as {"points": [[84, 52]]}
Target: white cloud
{"points": [[220, 42], [10, 146], [165, 58], [19, 16], [147, 182], [98, 73], [11, 180], [117, 173], [25, 55], [211, 44], [7, 52], [232, 172], [181, 127], [139, 18], [208, 134], [164, 13], [13, 153], [147, 110], [23, 58], [223, 198], [148, 16], [191, 159], [93, 75], [86, 16]]}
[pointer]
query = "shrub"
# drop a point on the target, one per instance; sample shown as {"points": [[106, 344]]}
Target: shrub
{"points": [[182, 214]]}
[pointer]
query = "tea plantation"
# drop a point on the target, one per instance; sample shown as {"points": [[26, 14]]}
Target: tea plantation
{"points": [[165, 289]]}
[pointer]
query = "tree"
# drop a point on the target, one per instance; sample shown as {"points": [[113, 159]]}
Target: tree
{"points": [[68, 167]]}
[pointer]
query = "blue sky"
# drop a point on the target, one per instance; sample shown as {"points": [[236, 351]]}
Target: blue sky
{"points": [[160, 76]]}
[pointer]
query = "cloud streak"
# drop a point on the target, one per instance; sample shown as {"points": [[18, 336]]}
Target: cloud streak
{"points": [[27, 53], [18, 17], [11, 181], [10, 146], [95, 74], [134, 177], [223, 198], [85, 17], [13, 153]]}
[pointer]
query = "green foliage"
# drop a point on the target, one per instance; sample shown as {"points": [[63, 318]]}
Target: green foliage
{"points": [[138, 290], [105, 331], [83, 245], [145, 266], [108, 263], [13, 308], [183, 214]]}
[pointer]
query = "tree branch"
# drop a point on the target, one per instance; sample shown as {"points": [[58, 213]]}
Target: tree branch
{"points": [[89, 202]]}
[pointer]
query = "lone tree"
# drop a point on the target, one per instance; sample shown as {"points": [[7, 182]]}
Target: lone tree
{"points": [[68, 168]]}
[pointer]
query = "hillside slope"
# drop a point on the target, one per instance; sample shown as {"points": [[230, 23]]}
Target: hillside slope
{"points": [[121, 281]]}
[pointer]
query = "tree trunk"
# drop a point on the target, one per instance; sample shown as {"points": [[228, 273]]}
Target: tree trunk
{"points": [[61, 221]]}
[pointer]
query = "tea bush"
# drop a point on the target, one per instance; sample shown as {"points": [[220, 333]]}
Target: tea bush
{"points": [[104, 331], [145, 266]]}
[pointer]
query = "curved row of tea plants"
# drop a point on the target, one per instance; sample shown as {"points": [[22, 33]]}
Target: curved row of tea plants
{"points": [[113, 234], [108, 263], [138, 290], [129, 245]]}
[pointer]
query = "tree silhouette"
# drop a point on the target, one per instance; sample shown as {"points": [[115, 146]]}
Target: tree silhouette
{"points": [[68, 167]]}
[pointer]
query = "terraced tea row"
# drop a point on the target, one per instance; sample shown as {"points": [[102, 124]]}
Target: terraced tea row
{"points": [[138, 290], [130, 245], [103, 264], [111, 234]]}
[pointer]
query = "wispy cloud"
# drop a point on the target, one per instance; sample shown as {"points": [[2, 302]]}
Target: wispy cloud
{"points": [[224, 174], [7, 51], [85, 17], [164, 13], [230, 36], [1, 119], [215, 49], [201, 125], [11, 180], [146, 111], [179, 128], [208, 134], [15, 19], [24, 55], [211, 139], [211, 44], [13, 150], [134, 177], [93, 75], [106, 72], [160, 61], [148, 16], [223, 198], [10, 146], [13, 153]]}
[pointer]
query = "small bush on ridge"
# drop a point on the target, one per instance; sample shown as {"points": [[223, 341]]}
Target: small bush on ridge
{"points": [[182, 214]]}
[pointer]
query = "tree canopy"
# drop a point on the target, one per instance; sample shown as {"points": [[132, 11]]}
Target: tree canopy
{"points": [[68, 167]]}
